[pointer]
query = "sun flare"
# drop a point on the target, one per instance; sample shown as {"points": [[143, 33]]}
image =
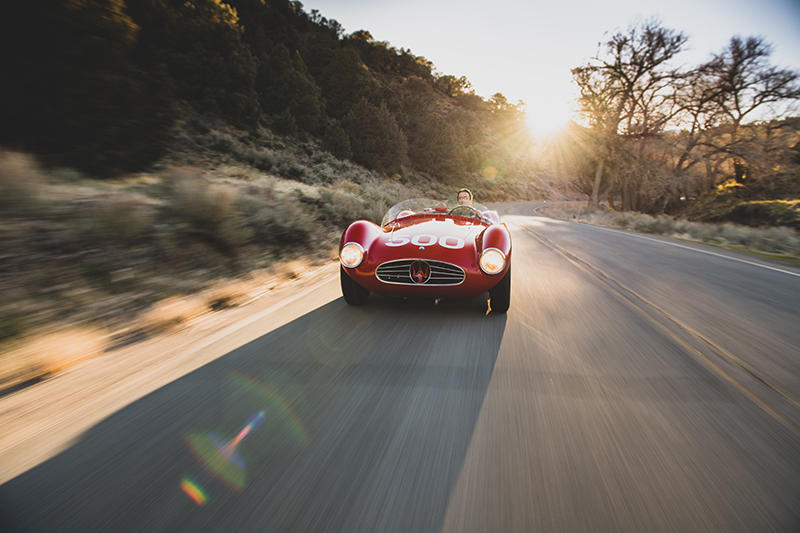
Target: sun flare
{"points": [[545, 118]]}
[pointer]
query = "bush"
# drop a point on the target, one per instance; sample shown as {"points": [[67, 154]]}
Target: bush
{"points": [[117, 218], [340, 208], [276, 223], [781, 240], [209, 212], [20, 179], [260, 159], [767, 213]]}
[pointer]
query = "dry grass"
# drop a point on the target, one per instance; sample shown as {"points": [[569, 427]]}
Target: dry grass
{"points": [[230, 294], [293, 269], [779, 241], [46, 354], [171, 313]]}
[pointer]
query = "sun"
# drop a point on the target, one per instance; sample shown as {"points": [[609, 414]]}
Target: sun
{"points": [[545, 117]]}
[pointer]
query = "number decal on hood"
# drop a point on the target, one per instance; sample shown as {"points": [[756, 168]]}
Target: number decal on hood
{"points": [[426, 239]]}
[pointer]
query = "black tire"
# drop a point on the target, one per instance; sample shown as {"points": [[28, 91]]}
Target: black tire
{"points": [[500, 294], [354, 294]]}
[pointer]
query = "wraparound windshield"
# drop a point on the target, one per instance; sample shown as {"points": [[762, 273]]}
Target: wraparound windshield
{"points": [[429, 205]]}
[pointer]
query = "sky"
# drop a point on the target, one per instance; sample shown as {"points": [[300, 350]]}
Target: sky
{"points": [[525, 49]]}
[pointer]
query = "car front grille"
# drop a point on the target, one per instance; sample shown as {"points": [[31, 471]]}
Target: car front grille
{"points": [[399, 272]]}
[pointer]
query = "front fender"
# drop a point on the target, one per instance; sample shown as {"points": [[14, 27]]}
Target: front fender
{"points": [[495, 236], [363, 232]]}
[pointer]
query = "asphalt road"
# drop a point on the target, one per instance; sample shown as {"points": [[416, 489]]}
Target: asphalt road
{"points": [[635, 384]]}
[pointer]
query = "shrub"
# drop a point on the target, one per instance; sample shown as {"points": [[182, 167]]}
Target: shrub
{"points": [[280, 223], [339, 207], [767, 213], [117, 218], [219, 141], [209, 212], [258, 158], [20, 179]]}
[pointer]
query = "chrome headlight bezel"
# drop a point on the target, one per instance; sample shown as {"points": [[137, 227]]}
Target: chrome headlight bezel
{"points": [[351, 261], [492, 267]]}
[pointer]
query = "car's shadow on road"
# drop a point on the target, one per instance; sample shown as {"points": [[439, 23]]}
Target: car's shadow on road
{"points": [[345, 419]]}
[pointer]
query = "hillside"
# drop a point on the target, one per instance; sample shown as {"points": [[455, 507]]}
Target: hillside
{"points": [[99, 84]]}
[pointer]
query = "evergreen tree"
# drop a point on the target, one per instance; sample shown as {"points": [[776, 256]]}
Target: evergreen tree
{"points": [[375, 138]]}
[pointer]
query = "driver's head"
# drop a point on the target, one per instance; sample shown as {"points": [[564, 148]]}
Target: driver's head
{"points": [[464, 196]]}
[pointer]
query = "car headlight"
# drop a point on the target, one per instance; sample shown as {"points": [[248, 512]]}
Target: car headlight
{"points": [[492, 261], [351, 254]]}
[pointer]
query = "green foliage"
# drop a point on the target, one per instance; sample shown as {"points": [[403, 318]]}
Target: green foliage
{"points": [[285, 123], [98, 85], [71, 91], [335, 139], [198, 47], [767, 213], [260, 159], [345, 80], [291, 89], [376, 139]]}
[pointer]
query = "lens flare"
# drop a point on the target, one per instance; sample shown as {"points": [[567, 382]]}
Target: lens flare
{"points": [[226, 458], [209, 450], [490, 172], [252, 423], [193, 491], [282, 417]]}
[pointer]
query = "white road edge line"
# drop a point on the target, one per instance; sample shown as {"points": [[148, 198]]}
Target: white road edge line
{"points": [[696, 250], [255, 318]]}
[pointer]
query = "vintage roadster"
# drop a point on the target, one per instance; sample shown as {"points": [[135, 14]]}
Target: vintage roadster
{"points": [[425, 248]]}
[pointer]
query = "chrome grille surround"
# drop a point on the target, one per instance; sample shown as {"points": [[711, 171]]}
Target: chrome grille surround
{"points": [[397, 273]]}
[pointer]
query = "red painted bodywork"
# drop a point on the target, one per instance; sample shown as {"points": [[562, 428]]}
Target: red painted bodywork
{"points": [[477, 236]]}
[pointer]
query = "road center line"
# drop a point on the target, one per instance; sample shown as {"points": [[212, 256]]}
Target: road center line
{"points": [[620, 290]]}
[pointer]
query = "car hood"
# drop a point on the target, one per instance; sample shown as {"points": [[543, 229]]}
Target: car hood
{"points": [[444, 239]]}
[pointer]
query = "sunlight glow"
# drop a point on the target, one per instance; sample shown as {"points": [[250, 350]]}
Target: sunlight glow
{"points": [[546, 117]]}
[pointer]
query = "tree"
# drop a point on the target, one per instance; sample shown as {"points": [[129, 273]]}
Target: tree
{"points": [[743, 82], [628, 93], [335, 139], [375, 138], [71, 91], [290, 88]]}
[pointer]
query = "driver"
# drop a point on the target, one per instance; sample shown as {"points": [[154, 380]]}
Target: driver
{"points": [[464, 196]]}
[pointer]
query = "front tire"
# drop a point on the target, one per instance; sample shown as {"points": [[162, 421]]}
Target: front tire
{"points": [[500, 294], [354, 294]]}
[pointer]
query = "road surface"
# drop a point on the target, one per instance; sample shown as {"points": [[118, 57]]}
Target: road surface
{"points": [[636, 384]]}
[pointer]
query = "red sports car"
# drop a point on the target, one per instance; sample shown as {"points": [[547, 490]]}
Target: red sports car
{"points": [[424, 248]]}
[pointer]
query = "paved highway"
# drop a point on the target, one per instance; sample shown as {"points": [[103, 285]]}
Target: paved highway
{"points": [[636, 384]]}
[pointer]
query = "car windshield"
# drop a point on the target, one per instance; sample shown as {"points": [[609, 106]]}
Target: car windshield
{"points": [[429, 205]]}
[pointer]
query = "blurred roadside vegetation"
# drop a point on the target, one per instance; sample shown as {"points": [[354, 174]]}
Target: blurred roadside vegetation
{"points": [[780, 242]]}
